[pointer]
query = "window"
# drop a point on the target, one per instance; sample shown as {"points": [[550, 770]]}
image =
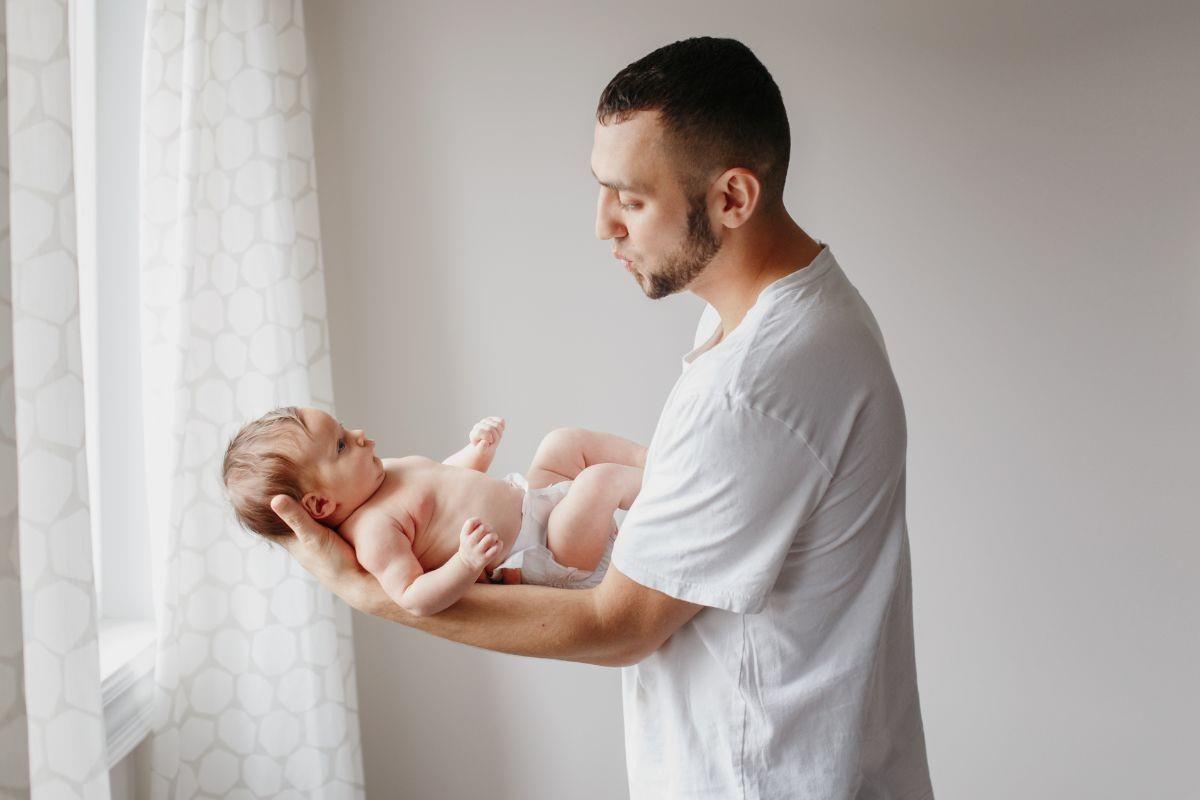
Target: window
{"points": [[106, 44]]}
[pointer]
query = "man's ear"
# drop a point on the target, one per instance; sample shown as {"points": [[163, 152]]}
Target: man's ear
{"points": [[739, 192], [318, 507]]}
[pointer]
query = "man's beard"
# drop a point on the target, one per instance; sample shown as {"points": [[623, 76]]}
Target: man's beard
{"points": [[683, 266]]}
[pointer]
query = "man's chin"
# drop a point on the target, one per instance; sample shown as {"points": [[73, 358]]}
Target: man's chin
{"points": [[650, 291], [656, 290]]}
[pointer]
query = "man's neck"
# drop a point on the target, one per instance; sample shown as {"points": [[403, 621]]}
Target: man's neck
{"points": [[751, 260]]}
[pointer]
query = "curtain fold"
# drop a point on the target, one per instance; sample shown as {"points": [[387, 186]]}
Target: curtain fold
{"points": [[51, 725], [255, 672]]}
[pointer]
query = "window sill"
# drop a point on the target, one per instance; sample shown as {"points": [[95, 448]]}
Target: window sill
{"points": [[127, 652]]}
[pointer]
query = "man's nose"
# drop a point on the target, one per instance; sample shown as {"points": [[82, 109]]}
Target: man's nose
{"points": [[607, 225], [359, 436]]}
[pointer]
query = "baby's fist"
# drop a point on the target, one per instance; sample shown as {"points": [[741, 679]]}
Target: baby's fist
{"points": [[477, 545], [487, 433]]}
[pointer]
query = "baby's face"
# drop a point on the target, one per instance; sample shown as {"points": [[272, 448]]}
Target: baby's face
{"points": [[347, 469]]}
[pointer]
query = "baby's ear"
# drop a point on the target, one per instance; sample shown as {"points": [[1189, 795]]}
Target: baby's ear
{"points": [[318, 507]]}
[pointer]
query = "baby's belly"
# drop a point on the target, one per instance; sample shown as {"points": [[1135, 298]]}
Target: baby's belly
{"points": [[498, 504]]}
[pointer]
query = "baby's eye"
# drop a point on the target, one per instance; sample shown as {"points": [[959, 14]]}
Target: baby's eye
{"points": [[341, 445]]}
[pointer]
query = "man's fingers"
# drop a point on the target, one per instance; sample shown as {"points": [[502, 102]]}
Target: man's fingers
{"points": [[296, 518], [328, 557], [285, 508]]}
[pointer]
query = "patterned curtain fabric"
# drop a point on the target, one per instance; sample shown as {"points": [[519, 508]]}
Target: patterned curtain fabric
{"points": [[255, 670], [51, 725]]}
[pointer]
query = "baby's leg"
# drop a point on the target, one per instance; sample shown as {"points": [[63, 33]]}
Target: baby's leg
{"points": [[582, 523], [566, 452]]}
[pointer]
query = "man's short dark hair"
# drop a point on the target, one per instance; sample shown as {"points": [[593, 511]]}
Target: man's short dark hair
{"points": [[720, 106]]}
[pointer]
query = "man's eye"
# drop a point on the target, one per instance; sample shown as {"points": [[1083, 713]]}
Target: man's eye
{"points": [[632, 206], [341, 445]]}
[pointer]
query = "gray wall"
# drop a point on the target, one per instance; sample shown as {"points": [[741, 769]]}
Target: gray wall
{"points": [[1015, 190]]}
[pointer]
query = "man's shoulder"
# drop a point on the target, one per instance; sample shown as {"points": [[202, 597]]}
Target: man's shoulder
{"points": [[723, 420], [814, 348], [806, 376]]}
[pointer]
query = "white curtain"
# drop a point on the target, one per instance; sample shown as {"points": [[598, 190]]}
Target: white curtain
{"points": [[255, 672], [51, 725]]}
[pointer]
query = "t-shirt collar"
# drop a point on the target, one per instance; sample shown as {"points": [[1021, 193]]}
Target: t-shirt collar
{"points": [[820, 264]]}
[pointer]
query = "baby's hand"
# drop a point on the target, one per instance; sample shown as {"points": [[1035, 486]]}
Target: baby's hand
{"points": [[487, 433], [477, 545]]}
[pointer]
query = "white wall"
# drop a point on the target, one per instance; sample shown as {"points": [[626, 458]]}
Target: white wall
{"points": [[1015, 190]]}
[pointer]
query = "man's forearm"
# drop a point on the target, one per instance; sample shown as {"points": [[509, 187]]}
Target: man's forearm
{"points": [[612, 625], [536, 621]]}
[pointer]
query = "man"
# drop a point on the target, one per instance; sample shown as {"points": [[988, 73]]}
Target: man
{"points": [[759, 593]]}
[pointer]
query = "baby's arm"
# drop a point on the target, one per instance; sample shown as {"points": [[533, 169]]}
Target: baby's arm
{"points": [[387, 554], [482, 442]]}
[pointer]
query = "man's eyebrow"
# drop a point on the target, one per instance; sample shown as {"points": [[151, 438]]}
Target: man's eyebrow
{"points": [[618, 186]]}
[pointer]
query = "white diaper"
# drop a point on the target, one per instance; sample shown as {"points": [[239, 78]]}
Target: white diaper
{"points": [[529, 552]]}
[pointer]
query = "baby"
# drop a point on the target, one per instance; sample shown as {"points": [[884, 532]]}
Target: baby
{"points": [[404, 516]]}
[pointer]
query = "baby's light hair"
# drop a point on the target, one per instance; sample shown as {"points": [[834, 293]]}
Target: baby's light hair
{"points": [[260, 462]]}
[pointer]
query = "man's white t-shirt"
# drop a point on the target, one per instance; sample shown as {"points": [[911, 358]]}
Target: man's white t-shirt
{"points": [[774, 495]]}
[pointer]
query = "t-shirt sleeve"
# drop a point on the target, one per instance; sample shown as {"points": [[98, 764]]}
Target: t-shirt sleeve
{"points": [[725, 493]]}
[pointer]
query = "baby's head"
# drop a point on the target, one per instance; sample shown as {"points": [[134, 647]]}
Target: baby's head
{"points": [[305, 454]]}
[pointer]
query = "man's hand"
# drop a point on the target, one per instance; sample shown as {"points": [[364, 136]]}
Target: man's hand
{"points": [[329, 559], [487, 433]]}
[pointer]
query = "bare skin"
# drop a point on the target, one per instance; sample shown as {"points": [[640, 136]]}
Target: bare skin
{"points": [[642, 210], [429, 501], [413, 528], [428, 530], [606, 471]]}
